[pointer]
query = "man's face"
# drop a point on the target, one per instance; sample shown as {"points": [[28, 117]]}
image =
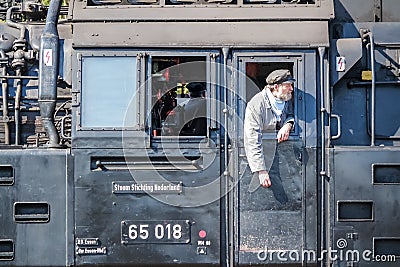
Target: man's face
{"points": [[283, 91]]}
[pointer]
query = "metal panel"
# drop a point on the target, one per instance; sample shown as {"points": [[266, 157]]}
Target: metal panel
{"points": [[390, 11], [42, 185], [387, 107], [355, 10], [202, 34], [351, 50], [352, 184], [272, 219], [106, 217], [385, 33], [323, 10]]}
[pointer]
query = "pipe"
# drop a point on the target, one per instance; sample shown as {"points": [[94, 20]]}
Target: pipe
{"points": [[363, 84], [18, 72], [13, 24], [322, 173], [225, 52], [4, 90], [17, 107], [373, 89], [6, 41], [48, 72], [18, 77]]}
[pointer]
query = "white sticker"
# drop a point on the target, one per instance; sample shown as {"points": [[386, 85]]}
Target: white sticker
{"points": [[48, 57], [340, 63]]}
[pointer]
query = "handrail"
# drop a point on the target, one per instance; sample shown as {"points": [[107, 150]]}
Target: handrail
{"points": [[373, 88], [339, 132], [225, 51], [362, 84], [322, 172], [13, 24]]}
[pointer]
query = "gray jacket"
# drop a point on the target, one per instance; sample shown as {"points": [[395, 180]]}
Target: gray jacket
{"points": [[259, 118]]}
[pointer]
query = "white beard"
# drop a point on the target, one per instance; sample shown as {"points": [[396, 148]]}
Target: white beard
{"points": [[282, 96]]}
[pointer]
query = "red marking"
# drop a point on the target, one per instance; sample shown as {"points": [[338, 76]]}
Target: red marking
{"points": [[166, 75], [340, 62], [202, 234], [47, 56]]}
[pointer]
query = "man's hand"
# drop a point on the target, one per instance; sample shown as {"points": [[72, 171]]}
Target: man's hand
{"points": [[264, 179], [284, 132]]}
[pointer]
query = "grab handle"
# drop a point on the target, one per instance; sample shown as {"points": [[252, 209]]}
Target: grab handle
{"points": [[339, 124]]}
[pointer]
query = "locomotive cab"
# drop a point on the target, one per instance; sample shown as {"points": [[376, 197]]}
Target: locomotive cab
{"points": [[122, 133]]}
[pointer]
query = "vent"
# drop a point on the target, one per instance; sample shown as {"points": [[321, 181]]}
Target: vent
{"points": [[144, 163], [143, 2], [271, 3], [183, 1], [219, 1], [355, 210], [6, 175], [6, 249], [31, 212], [261, 1], [106, 2], [387, 246], [386, 173]]}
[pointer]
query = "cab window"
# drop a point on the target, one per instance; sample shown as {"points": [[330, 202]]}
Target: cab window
{"points": [[256, 73], [179, 96], [108, 88]]}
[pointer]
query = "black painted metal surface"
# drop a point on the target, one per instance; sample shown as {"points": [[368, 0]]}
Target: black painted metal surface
{"points": [[100, 213], [36, 213], [81, 208]]}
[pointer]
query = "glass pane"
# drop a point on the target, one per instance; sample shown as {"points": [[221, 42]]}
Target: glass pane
{"points": [[179, 97], [108, 88]]}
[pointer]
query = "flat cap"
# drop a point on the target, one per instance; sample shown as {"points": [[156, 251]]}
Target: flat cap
{"points": [[195, 87], [280, 76]]}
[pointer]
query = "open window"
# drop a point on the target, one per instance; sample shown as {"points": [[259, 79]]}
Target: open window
{"points": [[253, 68], [256, 73], [180, 92]]}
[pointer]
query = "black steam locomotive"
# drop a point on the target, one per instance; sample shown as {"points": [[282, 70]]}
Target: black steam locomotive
{"points": [[121, 133]]}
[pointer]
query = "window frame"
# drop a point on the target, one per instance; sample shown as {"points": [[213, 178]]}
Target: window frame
{"points": [[212, 77], [296, 59], [79, 101]]}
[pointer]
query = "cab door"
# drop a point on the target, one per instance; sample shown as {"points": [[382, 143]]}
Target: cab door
{"points": [[276, 224]]}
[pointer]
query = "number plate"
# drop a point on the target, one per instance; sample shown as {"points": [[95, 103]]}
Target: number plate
{"points": [[168, 231]]}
